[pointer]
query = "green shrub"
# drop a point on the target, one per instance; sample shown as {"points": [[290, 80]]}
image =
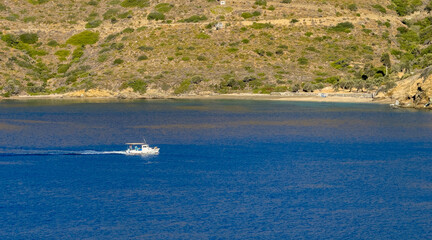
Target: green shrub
{"points": [[128, 30], [294, 20], [156, 16], [353, 7], [163, 7], [256, 25], [232, 50], [271, 8], [342, 27], [102, 58], [183, 88], [331, 80], [110, 13], [194, 19], [10, 39], [136, 85], [93, 24], [280, 89], [396, 52], [117, 46], [246, 15], [405, 7], [111, 37], [29, 19], [196, 79], [36, 2], [83, 38], [62, 54], [260, 52], [29, 38], [77, 53], [2, 7], [145, 48], [380, 8], [308, 87], [427, 50], [230, 83], [12, 17], [267, 89], [201, 58], [142, 57], [124, 15], [303, 61], [135, 3], [261, 2], [286, 1], [312, 49], [93, 3], [202, 35], [245, 41], [62, 68], [256, 13], [92, 16], [408, 40], [30, 50], [118, 61], [340, 63], [426, 34], [367, 31]]}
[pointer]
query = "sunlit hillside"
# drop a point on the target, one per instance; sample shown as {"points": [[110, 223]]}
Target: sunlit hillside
{"points": [[201, 46]]}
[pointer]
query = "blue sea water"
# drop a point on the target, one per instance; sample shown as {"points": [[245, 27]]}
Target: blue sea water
{"points": [[226, 170]]}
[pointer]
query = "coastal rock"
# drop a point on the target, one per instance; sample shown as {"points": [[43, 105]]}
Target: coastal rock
{"points": [[127, 93], [415, 91], [155, 93], [91, 93]]}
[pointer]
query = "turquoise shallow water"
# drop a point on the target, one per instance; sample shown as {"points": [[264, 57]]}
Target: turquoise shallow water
{"points": [[227, 170]]}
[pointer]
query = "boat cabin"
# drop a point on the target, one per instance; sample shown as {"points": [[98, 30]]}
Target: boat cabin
{"points": [[137, 146]]}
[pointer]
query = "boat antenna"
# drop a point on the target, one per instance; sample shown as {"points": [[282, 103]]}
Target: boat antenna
{"points": [[144, 141]]}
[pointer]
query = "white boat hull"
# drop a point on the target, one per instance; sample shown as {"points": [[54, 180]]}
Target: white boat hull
{"points": [[145, 151]]}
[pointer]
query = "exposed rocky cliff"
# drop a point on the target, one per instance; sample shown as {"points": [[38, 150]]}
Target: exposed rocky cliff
{"points": [[415, 91]]}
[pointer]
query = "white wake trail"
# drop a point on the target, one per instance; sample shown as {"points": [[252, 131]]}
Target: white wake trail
{"points": [[20, 152], [92, 152]]}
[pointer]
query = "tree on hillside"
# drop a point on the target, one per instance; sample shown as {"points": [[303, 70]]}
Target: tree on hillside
{"points": [[385, 59]]}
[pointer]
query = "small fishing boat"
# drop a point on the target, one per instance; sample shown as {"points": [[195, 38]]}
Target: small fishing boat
{"points": [[141, 149]]}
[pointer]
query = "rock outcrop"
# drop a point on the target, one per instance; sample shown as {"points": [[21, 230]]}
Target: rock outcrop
{"points": [[415, 91]]}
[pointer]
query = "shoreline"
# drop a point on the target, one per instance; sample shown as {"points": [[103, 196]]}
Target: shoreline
{"points": [[351, 98]]}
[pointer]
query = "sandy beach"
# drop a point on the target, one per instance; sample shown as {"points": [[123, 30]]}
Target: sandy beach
{"points": [[343, 97], [304, 98]]}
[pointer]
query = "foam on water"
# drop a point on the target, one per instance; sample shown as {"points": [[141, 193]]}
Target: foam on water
{"points": [[58, 152]]}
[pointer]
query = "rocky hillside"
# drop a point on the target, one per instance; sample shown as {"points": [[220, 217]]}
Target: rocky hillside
{"points": [[414, 92], [172, 47]]}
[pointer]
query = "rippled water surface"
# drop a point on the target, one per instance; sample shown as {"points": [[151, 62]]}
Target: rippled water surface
{"points": [[226, 170]]}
